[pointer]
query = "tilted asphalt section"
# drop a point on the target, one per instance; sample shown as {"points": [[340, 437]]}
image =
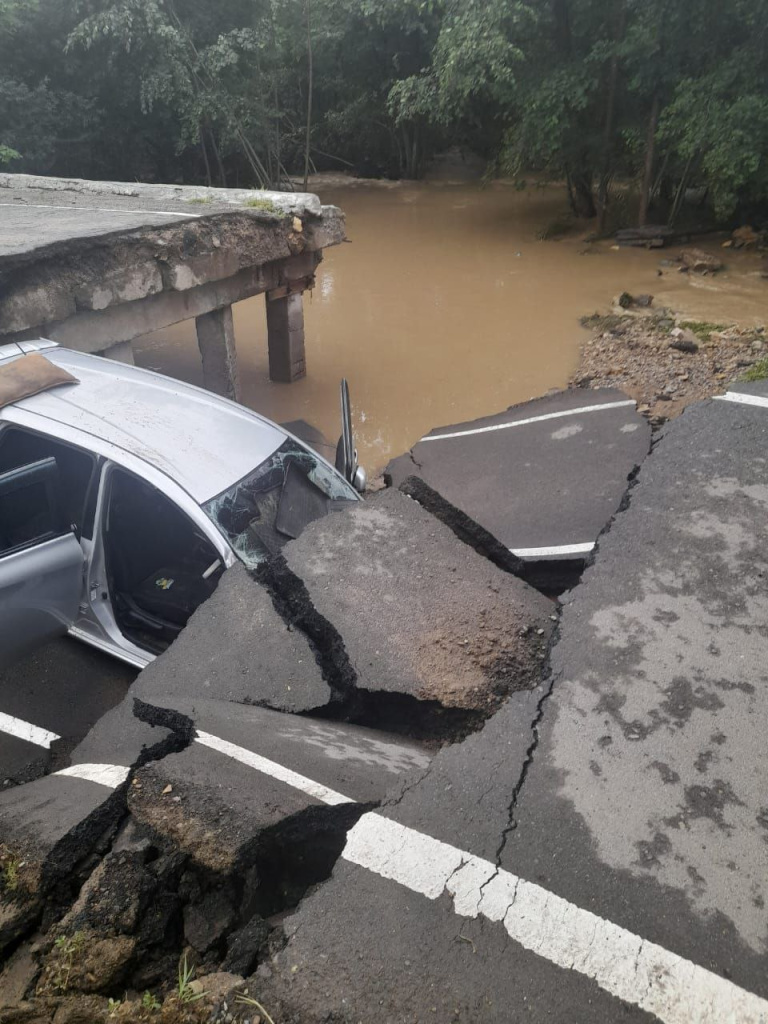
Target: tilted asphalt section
{"points": [[598, 852], [420, 613], [212, 801], [545, 476]]}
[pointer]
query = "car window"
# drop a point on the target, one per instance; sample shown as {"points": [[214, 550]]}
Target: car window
{"points": [[160, 566], [271, 505], [25, 516], [76, 467]]}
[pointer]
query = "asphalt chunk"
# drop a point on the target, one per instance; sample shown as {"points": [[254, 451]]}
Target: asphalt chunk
{"points": [[420, 613], [237, 647]]}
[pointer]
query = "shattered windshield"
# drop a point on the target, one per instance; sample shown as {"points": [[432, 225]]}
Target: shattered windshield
{"points": [[271, 505]]}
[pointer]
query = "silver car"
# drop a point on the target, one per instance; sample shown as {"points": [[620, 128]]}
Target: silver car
{"points": [[123, 498]]}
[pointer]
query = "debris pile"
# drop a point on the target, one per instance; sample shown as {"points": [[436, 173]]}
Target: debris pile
{"points": [[665, 364]]}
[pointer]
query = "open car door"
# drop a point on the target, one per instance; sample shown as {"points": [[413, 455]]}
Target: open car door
{"points": [[41, 561], [346, 453]]}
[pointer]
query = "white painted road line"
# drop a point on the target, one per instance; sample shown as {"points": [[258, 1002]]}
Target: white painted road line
{"points": [[112, 775], [743, 399], [26, 731], [675, 990], [558, 549], [277, 771], [532, 419]]}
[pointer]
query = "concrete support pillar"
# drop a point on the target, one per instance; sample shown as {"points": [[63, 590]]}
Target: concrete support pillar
{"points": [[285, 337], [122, 352], [216, 341]]}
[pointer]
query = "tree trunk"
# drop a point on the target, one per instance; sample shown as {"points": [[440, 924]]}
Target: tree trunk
{"points": [[650, 148], [217, 155], [583, 201], [201, 133], [610, 110], [307, 9]]}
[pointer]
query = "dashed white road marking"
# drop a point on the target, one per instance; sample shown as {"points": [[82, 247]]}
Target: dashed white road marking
{"points": [[99, 209], [112, 775], [531, 419], [641, 973], [743, 398], [557, 549], [26, 731]]}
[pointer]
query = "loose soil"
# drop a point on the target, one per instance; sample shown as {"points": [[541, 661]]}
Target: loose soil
{"points": [[633, 351]]}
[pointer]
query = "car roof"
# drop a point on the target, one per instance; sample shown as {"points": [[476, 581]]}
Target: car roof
{"points": [[201, 441]]}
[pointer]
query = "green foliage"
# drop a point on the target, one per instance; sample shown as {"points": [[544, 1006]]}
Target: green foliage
{"points": [[184, 991], [664, 94], [9, 871], [261, 204], [701, 328], [758, 371], [68, 949], [7, 155], [150, 1002]]}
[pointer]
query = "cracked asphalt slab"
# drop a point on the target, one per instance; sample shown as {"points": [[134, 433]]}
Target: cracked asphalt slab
{"points": [[653, 741], [418, 612], [618, 811], [237, 647], [536, 870], [544, 474]]}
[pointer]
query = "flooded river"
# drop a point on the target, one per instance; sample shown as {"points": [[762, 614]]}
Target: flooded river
{"points": [[447, 306]]}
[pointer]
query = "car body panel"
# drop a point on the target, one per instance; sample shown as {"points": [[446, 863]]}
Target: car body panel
{"points": [[201, 441], [188, 443], [40, 589]]}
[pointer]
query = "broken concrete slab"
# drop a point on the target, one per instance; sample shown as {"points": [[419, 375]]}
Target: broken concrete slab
{"points": [[756, 388], [359, 763], [221, 813], [234, 791], [46, 828], [575, 801], [543, 477], [416, 612], [92, 265], [236, 647]]}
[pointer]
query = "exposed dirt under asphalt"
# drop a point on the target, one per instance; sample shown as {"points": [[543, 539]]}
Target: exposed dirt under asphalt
{"points": [[666, 362]]}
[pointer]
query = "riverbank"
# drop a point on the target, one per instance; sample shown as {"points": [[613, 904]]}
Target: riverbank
{"points": [[665, 362]]}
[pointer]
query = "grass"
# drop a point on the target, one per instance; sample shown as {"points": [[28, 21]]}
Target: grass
{"points": [[701, 328], [184, 987], [198, 200], [69, 948], [759, 371], [150, 1002], [261, 204], [250, 1001], [604, 322], [9, 870]]}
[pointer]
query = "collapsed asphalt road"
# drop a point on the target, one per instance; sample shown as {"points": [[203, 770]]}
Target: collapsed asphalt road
{"points": [[590, 847]]}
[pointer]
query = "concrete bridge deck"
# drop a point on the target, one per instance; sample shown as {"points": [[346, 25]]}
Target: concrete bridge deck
{"points": [[93, 265]]}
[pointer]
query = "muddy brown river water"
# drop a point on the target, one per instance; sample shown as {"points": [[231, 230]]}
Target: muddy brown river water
{"points": [[447, 306]]}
